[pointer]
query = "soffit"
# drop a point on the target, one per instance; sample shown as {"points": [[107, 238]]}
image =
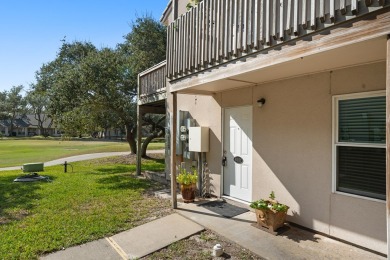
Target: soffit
{"points": [[370, 51]]}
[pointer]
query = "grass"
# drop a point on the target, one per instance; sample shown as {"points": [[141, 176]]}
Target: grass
{"points": [[15, 152], [98, 199]]}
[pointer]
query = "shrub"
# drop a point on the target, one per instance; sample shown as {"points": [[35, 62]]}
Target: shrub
{"points": [[187, 178], [269, 204]]}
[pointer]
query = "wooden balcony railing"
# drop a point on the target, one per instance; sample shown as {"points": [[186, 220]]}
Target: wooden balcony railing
{"points": [[218, 31], [152, 81]]}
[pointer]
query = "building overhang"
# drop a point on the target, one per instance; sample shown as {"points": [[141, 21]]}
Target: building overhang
{"points": [[167, 11], [352, 44]]}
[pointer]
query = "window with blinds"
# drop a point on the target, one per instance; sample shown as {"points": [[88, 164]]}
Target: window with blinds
{"points": [[360, 145]]}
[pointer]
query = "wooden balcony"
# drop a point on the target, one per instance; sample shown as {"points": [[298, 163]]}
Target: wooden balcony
{"points": [[216, 32], [152, 85]]}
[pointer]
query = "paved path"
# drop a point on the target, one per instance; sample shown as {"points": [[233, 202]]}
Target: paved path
{"points": [[293, 244], [190, 218], [82, 157], [134, 243]]}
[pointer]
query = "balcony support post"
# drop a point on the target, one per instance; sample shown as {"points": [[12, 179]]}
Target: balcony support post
{"points": [[388, 142], [173, 150], [139, 139]]}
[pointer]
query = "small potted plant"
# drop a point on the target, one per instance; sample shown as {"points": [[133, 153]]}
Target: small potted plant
{"points": [[270, 213], [187, 181]]}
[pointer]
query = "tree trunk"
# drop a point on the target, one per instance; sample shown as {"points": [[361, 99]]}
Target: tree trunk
{"points": [[41, 129], [145, 144], [130, 139], [40, 123], [11, 129]]}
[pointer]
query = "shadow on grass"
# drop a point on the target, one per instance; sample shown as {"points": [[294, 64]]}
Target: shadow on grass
{"points": [[123, 176], [116, 169], [152, 165], [17, 198], [125, 182]]}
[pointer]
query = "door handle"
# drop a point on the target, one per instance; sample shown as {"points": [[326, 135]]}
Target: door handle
{"points": [[238, 159]]}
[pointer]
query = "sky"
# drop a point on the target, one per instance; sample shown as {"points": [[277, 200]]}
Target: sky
{"points": [[31, 30]]}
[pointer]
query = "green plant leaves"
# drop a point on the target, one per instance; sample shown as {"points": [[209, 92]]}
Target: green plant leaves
{"points": [[187, 178]]}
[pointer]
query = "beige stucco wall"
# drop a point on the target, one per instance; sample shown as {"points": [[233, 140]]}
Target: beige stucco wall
{"points": [[292, 149], [293, 154], [181, 9], [207, 112]]}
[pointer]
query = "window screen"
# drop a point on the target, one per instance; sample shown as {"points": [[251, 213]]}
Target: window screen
{"points": [[362, 120], [360, 147]]}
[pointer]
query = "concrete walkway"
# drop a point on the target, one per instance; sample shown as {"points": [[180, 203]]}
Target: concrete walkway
{"points": [[191, 218], [82, 157], [134, 243], [295, 243]]}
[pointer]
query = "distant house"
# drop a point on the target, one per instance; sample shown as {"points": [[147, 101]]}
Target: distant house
{"points": [[20, 127], [113, 133], [27, 126], [48, 126], [4, 125]]}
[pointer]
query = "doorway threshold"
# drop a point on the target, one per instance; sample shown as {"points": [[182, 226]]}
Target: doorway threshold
{"points": [[235, 201]]}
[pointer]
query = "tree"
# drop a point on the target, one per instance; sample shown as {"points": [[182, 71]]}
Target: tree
{"points": [[60, 81], [3, 114], [145, 46], [38, 103], [14, 104], [107, 78], [192, 3], [84, 83], [156, 128]]}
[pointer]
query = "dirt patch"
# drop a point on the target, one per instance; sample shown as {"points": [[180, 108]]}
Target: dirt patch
{"points": [[200, 246], [4, 220], [18, 214], [158, 209]]}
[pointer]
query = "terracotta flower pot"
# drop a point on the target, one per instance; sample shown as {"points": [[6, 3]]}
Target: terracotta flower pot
{"points": [[270, 219], [188, 192]]}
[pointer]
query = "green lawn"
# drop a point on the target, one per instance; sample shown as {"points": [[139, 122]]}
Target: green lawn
{"points": [[98, 199], [15, 152]]}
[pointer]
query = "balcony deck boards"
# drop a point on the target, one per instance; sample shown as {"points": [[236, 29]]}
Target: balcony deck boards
{"points": [[220, 31], [152, 84]]}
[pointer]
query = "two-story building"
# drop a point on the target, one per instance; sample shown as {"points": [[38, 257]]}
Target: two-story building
{"points": [[294, 96]]}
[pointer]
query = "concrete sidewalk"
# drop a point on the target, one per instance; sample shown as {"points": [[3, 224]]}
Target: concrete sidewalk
{"points": [[134, 243], [82, 157], [295, 243], [191, 218]]}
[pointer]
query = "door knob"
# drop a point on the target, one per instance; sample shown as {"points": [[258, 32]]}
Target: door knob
{"points": [[238, 159]]}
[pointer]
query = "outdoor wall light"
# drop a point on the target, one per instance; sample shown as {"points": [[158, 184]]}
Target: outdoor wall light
{"points": [[260, 102]]}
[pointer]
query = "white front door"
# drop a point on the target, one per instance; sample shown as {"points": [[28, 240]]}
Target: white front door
{"points": [[237, 176]]}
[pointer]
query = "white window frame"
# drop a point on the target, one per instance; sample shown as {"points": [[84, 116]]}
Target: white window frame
{"points": [[335, 134]]}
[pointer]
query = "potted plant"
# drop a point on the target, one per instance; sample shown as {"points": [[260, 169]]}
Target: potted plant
{"points": [[270, 213], [187, 181]]}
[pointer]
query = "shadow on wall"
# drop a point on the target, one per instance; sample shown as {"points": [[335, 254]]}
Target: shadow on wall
{"points": [[213, 159]]}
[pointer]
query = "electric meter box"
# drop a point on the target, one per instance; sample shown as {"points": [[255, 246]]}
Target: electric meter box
{"points": [[198, 139]]}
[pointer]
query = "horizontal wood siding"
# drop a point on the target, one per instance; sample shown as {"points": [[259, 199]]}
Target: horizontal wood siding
{"points": [[153, 80], [219, 31]]}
